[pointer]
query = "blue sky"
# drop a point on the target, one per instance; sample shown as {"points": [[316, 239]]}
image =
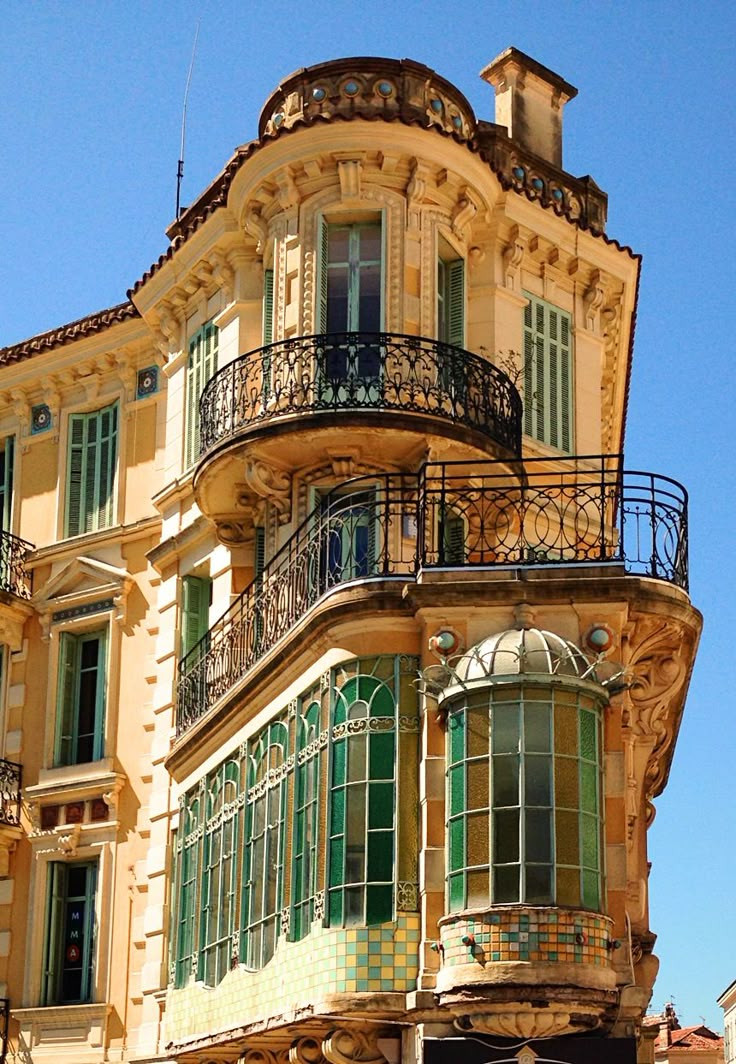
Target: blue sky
{"points": [[90, 111]]}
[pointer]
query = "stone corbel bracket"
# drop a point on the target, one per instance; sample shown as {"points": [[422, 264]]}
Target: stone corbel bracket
{"points": [[513, 255], [465, 211]]}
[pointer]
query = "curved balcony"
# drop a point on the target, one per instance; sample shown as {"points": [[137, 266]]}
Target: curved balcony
{"points": [[451, 515], [337, 374], [14, 576]]}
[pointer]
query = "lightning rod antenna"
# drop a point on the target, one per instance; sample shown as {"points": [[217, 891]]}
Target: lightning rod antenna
{"points": [[180, 165]]}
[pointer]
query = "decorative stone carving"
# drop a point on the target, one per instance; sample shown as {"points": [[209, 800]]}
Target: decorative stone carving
{"points": [[350, 1046], [523, 1023], [466, 209], [256, 227], [288, 193], [267, 482], [349, 171], [69, 842], [305, 1051], [593, 299], [513, 255]]}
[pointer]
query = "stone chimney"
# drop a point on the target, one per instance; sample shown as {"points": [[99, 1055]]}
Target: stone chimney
{"points": [[529, 102]]}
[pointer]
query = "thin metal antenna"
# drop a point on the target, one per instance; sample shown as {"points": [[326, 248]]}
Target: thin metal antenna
{"points": [[180, 166]]}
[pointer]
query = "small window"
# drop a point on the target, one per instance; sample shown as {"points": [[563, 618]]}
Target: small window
{"points": [[81, 698], [70, 927], [200, 367], [451, 302], [548, 388], [195, 611], [90, 490]]}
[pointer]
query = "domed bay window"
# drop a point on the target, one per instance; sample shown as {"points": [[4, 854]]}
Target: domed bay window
{"points": [[524, 755]]}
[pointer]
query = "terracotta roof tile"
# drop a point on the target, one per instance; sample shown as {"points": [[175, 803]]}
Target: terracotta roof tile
{"points": [[67, 334]]}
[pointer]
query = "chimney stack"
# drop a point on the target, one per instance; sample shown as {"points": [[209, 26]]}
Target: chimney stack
{"points": [[529, 102]]}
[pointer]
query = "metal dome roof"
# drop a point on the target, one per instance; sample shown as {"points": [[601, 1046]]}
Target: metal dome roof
{"points": [[519, 651]]}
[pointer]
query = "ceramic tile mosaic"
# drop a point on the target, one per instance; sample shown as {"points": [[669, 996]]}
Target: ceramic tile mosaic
{"points": [[350, 960], [529, 935]]}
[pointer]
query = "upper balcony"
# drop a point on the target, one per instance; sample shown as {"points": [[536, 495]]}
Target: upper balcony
{"points": [[305, 392], [465, 519], [14, 576]]}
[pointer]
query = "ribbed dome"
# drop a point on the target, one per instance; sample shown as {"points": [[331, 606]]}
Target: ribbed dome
{"points": [[522, 650]]}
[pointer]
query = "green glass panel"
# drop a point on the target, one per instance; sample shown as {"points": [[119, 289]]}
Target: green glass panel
{"points": [[478, 889], [537, 780], [338, 809], [591, 891], [381, 805], [380, 856], [299, 840], [457, 844], [537, 719], [506, 836], [297, 884], [566, 727], [477, 733], [457, 737], [506, 884], [334, 908], [457, 892], [538, 884], [382, 756], [505, 729], [477, 839], [383, 703], [505, 780], [589, 786], [538, 835], [568, 886], [457, 789], [379, 904], [566, 783], [568, 846], [338, 763], [590, 842], [336, 861], [588, 736], [478, 792]]}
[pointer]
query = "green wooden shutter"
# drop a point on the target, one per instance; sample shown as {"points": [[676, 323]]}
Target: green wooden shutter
{"points": [[456, 303], [324, 251], [6, 482], [195, 611], [98, 748], [259, 555], [201, 365], [66, 689], [92, 462], [53, 944], [548, 386]]}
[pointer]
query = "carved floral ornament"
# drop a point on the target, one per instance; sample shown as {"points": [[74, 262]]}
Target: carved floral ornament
{"points": [[340, 1046]]}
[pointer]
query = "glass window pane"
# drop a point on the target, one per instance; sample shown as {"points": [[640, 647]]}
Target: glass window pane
{"points": [[355, 818], [476, 725], [538, 838], [506, 884], [478, 889], [478, 841], [338, 763], [506, 836], [334, 907], [370, 243], [537, 780], [538, 884], [457, 843], [336, 856], [588, 735], [590, 841], [478, 786], [381, 805], [457, 737], [356, 757], [338, 237], [505, 729], [382, 756], [568, 847], [566, 727], [591, 890], [568, 886], [537, 727], [505, 781], [380, 856], [379, 904], [457, 790], [566, 783], [457, 891], [589, 780]]}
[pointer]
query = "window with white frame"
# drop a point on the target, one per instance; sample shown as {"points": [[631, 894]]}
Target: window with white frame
{"points": [[80, 712], [69, 944], [91, 471]]}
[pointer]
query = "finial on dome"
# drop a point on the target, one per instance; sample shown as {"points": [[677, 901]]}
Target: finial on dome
{"points": [[524, 616]]}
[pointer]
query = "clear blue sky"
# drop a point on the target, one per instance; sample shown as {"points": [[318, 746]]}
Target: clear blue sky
{"points": [[90, 111]]}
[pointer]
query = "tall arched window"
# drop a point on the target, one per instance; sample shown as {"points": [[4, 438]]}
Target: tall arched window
{"points": [[219, 872], [524, 795], [264, 855], [306, 819], [188, 847], [361, 854]]}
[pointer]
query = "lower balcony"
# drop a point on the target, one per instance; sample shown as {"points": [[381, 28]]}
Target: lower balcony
{"points": [[586, 512]]}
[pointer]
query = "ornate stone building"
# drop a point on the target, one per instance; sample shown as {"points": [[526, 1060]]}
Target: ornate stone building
{"points": [[343, 657]]}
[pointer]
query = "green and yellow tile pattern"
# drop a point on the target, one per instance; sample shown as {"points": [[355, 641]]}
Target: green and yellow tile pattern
{"points": [[328, 961], [526, 934]]}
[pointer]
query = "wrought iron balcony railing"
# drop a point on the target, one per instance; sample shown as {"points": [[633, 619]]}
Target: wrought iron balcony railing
{"points": [[14, 576], [4, 1025], [10, 785], [336, 373], [481, 515]]}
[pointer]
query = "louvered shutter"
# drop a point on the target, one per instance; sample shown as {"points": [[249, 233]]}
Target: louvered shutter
{"points": [[6, 482], [454, 539], [548, 398], [66, 699], [76, 473], [201, 366], [324, 250], [195, 611], [456, 303], [53, 946], [91, 471]]}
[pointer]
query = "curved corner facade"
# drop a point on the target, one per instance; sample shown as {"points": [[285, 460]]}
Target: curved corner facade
{"points": [[343, 655]]}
